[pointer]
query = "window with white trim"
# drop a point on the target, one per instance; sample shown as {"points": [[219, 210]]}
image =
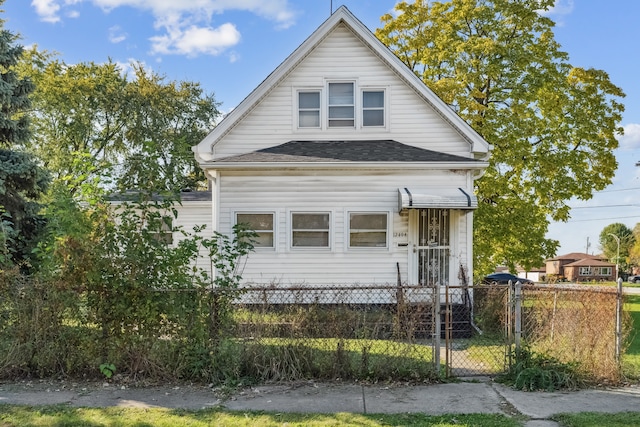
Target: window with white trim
{"points": [[603, 271], [262, 224], [310, 229], [368, 229], [373, 108], [341, 103], [584, 271], [309, 109], [165, 232]]}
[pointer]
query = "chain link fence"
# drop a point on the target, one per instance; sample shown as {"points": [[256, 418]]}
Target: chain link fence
{"points": [[581, 325], [400, 333]]}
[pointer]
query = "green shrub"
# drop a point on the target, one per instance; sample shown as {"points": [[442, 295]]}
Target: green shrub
{"points": [[532, 372]]}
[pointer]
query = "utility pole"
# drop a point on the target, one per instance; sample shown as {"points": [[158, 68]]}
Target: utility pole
{"points": [[588, 246]]}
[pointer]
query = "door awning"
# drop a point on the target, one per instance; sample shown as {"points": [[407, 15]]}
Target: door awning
{"points": [[446, 198]]}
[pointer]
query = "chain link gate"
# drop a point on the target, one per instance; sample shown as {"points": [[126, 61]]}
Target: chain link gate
{"points": [[476, 336]]}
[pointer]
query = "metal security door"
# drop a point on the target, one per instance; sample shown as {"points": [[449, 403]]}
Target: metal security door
{"points": [[433, 247]]}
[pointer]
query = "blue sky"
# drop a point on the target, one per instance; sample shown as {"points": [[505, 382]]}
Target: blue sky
{"points": [[230, 46]]}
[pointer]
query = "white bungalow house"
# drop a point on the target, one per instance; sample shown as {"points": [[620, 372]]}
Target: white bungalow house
{"points": [[350, 169]]}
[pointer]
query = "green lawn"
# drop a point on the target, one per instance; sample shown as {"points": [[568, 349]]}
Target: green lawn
{"points": [[631, 358], [592, 419]]}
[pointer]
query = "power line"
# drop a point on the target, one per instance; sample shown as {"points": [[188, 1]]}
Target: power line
{"points": [[603, 219], [603, 206], [619, 189]]}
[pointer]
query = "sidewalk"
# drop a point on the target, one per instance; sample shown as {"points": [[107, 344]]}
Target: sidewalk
{"points": [[473, 396]]}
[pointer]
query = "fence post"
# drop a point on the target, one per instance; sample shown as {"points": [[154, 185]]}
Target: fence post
{"points": [[438, 326], [518, 315], [619, 307]]}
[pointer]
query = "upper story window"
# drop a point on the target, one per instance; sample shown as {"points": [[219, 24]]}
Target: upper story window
{"points": [[309, 109], [341, 104], [262, 224], [372, 108]]}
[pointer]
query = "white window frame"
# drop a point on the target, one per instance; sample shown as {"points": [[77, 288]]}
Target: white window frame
{"points": [[383, 108], [348, 230], [320, 108], [273, 227], [329, 230], [600, 271], [584, 271]]}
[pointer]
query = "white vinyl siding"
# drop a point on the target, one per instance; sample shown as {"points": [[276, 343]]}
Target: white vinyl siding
{"points": [[368, 229], [195, 214], [339, 58], [339, 193]]}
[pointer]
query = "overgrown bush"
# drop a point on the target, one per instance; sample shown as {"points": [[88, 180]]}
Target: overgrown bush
{"points": [[531, 371], [110, 290]]}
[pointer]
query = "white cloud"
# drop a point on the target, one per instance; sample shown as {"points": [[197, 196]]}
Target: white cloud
{"points": [[47, 10], [631, 138], [116, 34], [194, 41], [186, 24], [562, 7]]}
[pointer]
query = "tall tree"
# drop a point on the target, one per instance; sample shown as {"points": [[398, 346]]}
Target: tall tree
{"points": [[616, 241], [80, 114], [634, 250], [22, 180], [553, 126], [167, 119], [92, 121]]}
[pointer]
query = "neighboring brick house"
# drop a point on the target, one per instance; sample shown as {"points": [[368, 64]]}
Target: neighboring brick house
{"points": [[581, 267]]}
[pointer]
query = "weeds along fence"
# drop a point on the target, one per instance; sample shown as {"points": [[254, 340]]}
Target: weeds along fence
{"points": [[270, 334], [179, 334], [580, 325]]}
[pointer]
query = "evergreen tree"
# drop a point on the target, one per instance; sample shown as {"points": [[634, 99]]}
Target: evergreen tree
{"points": [[22, 180]]}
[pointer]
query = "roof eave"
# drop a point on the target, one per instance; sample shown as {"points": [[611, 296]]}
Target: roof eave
{"points": [[475, 165]]}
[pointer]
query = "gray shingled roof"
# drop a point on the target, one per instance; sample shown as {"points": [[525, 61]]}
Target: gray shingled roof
{"points": [[345, 151]]}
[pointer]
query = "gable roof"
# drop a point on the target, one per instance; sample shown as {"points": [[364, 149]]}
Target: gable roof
{"points": [[575, 256], [204, 149], [590, 262], [347, 151]]}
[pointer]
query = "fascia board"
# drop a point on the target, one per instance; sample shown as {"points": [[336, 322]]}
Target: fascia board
{"points": [[345, 165]]}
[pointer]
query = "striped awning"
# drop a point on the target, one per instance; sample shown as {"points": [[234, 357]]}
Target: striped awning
{"points": [[443, 198]]}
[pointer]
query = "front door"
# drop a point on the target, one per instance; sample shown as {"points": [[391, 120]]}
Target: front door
{"points": [[430, 232]]}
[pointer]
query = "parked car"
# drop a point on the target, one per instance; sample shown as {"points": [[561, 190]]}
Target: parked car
{"points": [[634, 279], [504, 278]]}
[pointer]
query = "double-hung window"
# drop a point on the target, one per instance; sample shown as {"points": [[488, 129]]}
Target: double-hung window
{"points": [[262, 224], [309, 109], [341, 103], [373, 108], [310, 229], [368, 229]]}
